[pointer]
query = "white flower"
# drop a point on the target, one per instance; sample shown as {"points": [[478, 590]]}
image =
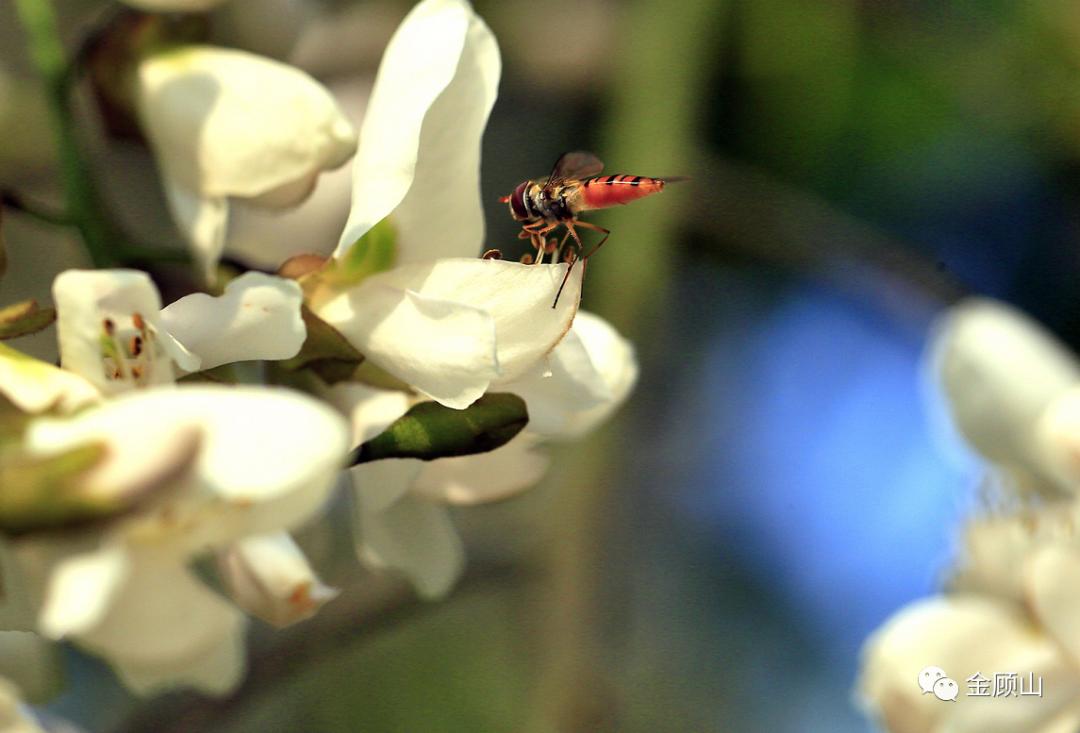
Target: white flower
{"points": [[401, 519], [266, 461], [226, 123], [999, 371], [113, 332], [419, 154], [584, 379], [443, 321], [1014, 607], [451, 328], [1013, 602], [966, 635], [269, 577], [35, 386]]}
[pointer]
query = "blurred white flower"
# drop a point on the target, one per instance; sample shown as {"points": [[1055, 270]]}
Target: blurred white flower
{"points": [[442, 320], [268, 576], [999, 371], [35, 386], [113, 332], [265, 461], [967, 635], [1013, 597], [226, 123]]}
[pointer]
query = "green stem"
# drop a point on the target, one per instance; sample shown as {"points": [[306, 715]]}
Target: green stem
{"points": [[656, 102], [82, 202]]}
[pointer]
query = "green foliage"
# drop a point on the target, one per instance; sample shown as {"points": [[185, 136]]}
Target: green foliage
{"points": [[430, 430], [325, 351], [372, 253]]}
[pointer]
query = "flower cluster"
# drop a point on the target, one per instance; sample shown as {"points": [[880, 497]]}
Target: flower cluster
{"points": [[1012, 600], [143, 451]]}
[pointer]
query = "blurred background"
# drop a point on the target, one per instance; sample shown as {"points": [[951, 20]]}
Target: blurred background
{"points": [[778, 485]]}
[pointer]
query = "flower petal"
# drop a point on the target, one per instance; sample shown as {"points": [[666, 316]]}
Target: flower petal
{"points": [[1053, 582], [99, 316], [164, 629], [224, 122], [36, 386], [416, 538], [451, 327], [484, 477], [203, 220], [379, 484], [444, 349], [267, 462], [258, 317], [268, 576], [963, 635], [586, 378], [81, 589], [1057, 440], [370, 410], [419, 153], [999, 370]]}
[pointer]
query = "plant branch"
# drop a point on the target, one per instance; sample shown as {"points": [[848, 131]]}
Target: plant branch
{"points": [[82, 201], [41, 212]]}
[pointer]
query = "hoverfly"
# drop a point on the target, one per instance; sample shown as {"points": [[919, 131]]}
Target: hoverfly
{"points": [[574, 186]]}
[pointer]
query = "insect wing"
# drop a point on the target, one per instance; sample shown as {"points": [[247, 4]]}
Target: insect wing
{"points": [[576, 164]]}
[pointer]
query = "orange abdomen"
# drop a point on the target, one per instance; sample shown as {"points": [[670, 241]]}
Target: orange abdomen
{"points": [[604, 191]]}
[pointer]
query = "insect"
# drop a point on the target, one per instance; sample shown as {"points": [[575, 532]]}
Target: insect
{"points": [[574, 186]]}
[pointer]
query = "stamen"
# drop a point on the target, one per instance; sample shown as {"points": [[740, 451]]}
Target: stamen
{"points": [[138, 321], [527, 258], [135, 346], [110, 327], [492, 254]]}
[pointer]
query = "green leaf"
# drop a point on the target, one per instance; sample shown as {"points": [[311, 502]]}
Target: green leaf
{"points": [[374, 252], [24, 318], [430, 430], [325, 351]]}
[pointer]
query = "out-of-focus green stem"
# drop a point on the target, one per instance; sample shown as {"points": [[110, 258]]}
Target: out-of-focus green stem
{"points": [[82, 203], [662, 71], [667, 53]]}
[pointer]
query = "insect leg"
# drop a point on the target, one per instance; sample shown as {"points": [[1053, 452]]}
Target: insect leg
{"points": [[573, 233], [595, 228]]}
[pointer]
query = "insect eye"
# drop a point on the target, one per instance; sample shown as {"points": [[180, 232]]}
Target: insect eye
{"points": [[517, 201]]}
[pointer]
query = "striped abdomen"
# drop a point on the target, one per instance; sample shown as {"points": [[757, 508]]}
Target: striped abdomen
{"points": [[604, 191]]}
